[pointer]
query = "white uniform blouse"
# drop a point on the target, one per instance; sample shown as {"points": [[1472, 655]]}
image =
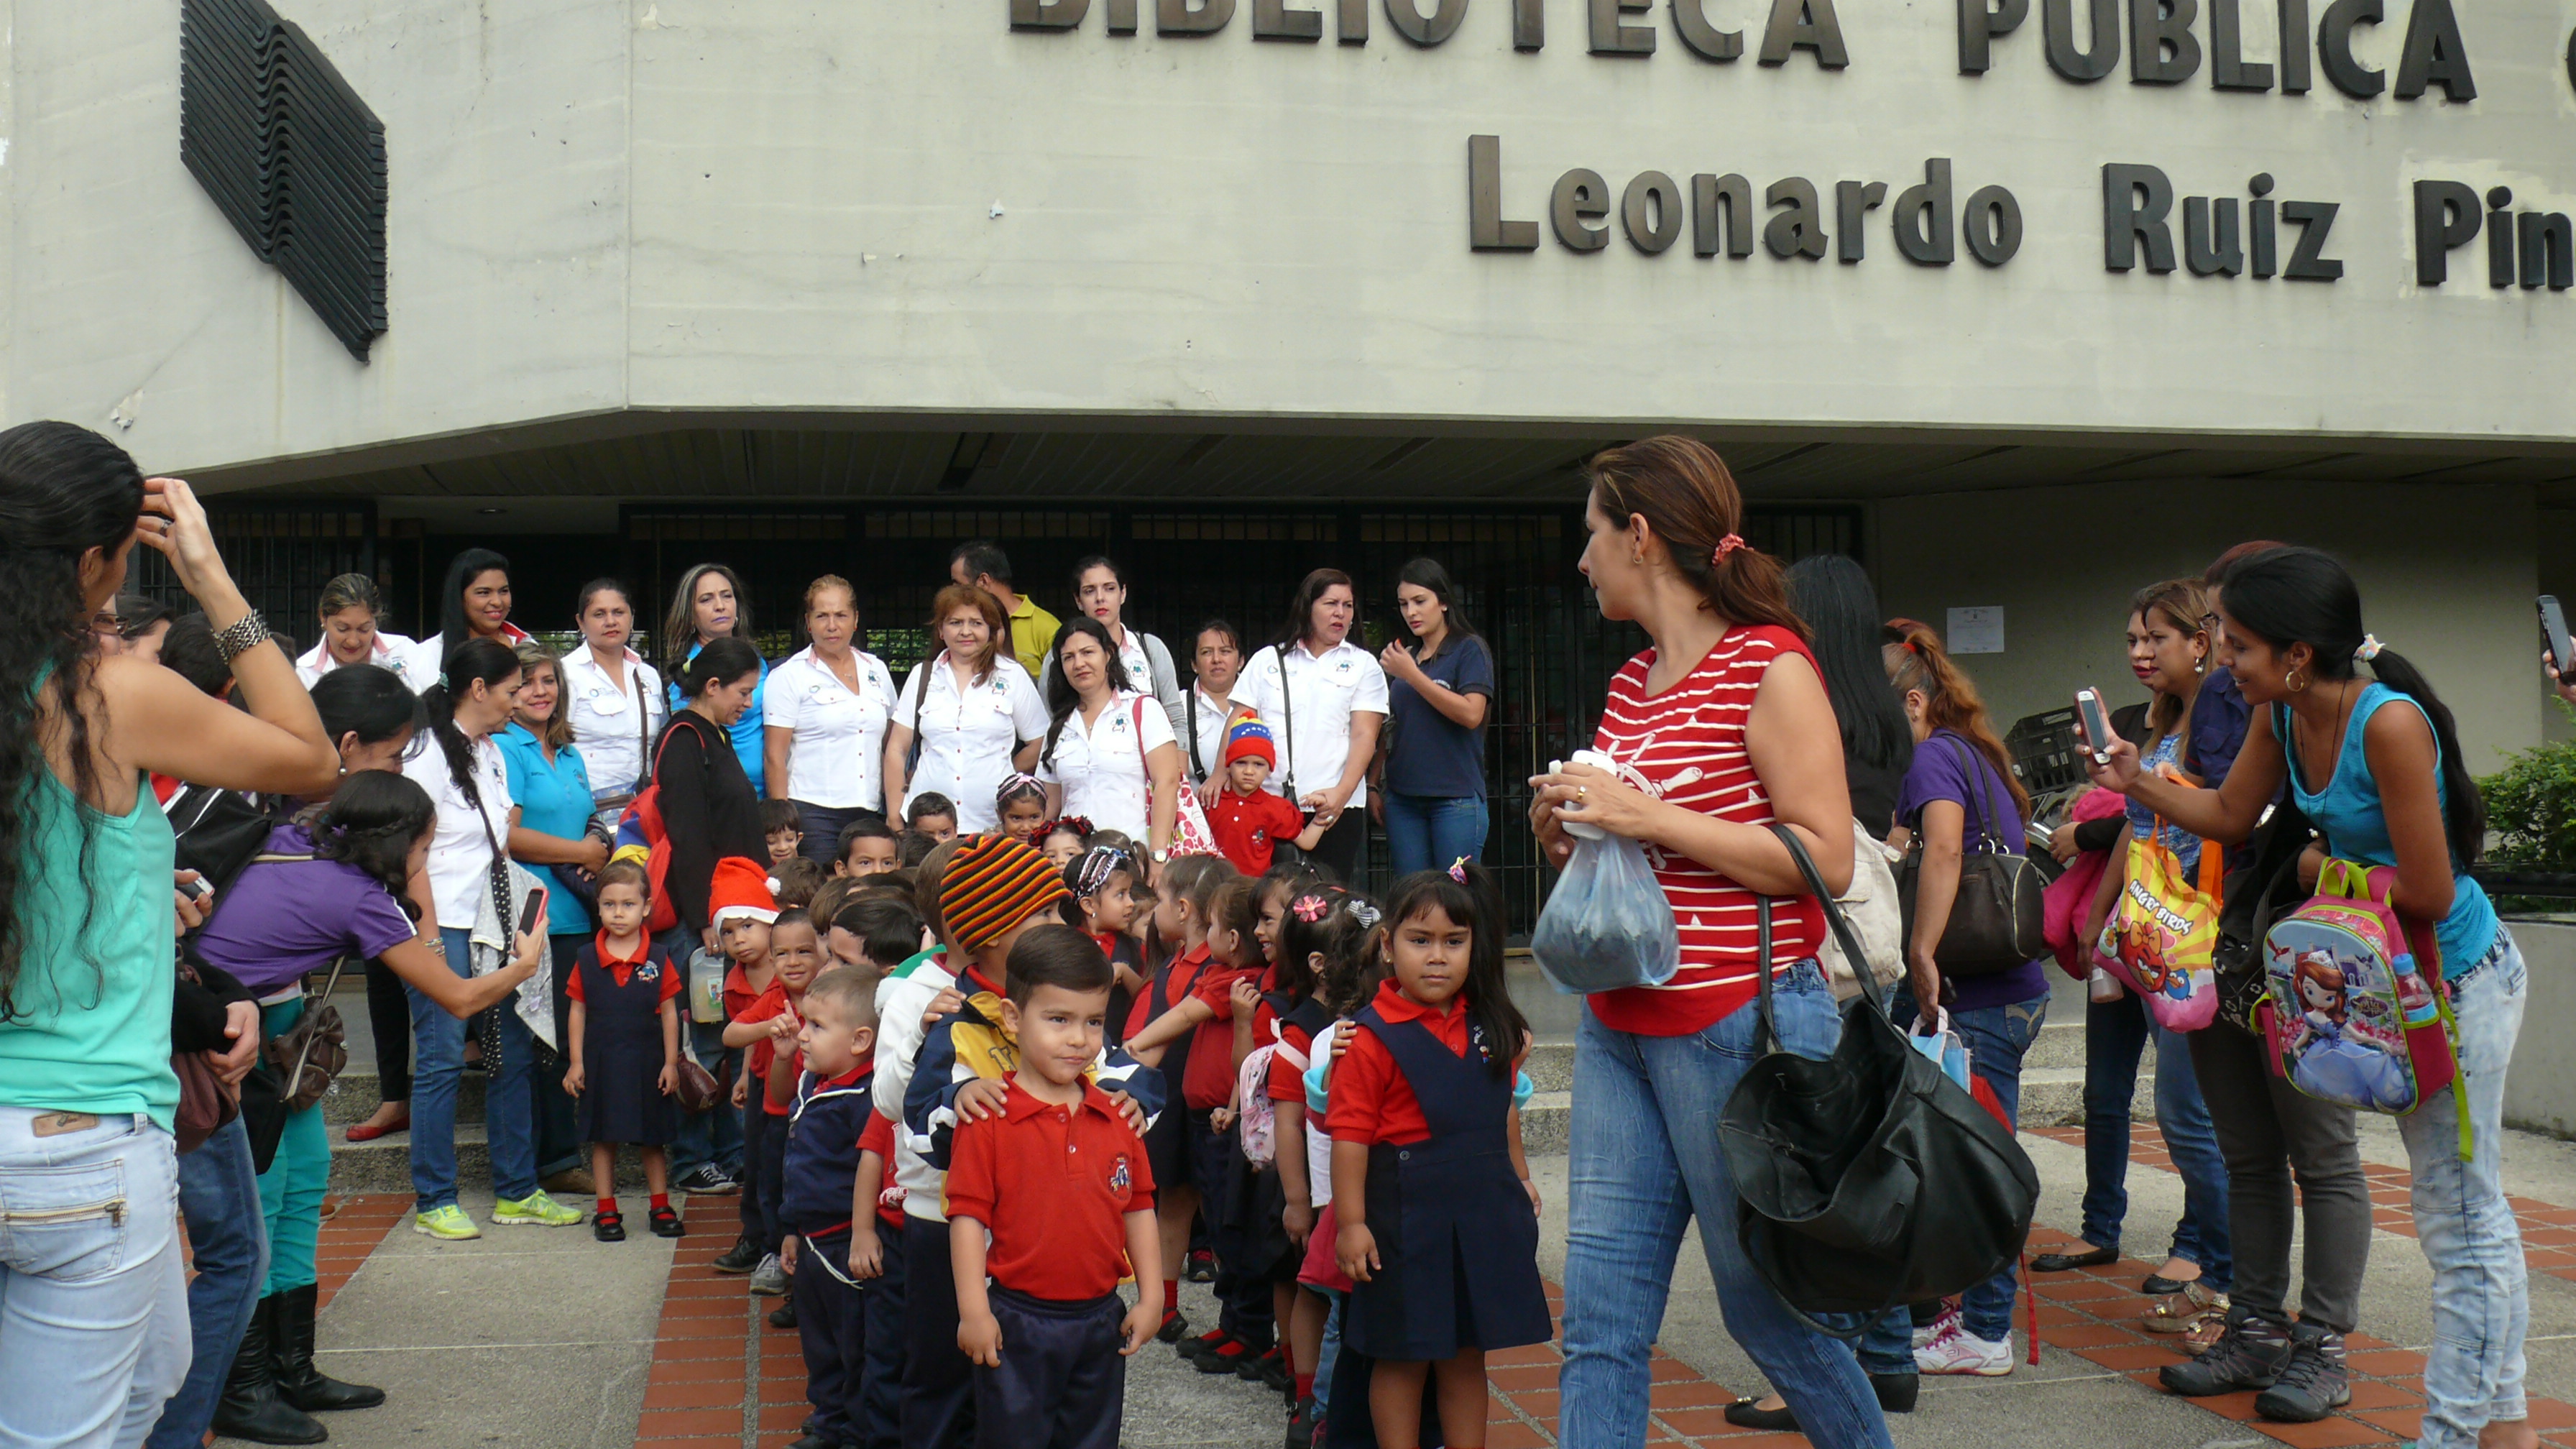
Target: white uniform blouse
{"points": [[1102, 767], [460, 854], [837, 757], [1308, 702], [968, 738], [613, 725]]}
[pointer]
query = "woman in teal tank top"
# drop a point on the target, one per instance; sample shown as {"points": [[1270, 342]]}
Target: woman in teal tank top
{"points": [[92, 1303], [2376, 766]]}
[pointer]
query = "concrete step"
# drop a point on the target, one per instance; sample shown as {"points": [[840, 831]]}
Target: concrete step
{"points": [[2054, 1097], [2061, 1044], [354, 1096], [1544, 1122], [1551, 1064], [384, 1165]]}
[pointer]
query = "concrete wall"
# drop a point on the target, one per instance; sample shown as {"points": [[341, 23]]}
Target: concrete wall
{"points": [[2540, 1090], [2446, 574], [606, 204]]}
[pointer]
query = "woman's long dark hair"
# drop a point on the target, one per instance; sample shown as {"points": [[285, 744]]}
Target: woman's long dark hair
{"points": [[1062, 698], [1479, 904], [2287, 596], [476, 661], [462, 570], [680, 627], [372, 821], [1301, 609], [1682, 489], [1833, 594], [367, 700], [64, 490], [1426, 573]]}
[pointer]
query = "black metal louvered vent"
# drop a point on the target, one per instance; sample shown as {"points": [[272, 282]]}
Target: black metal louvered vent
{"points": [[291, 156]]}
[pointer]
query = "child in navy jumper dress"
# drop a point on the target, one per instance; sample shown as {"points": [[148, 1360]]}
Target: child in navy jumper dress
{"points": [[1428, 1176], [625, 1047]]}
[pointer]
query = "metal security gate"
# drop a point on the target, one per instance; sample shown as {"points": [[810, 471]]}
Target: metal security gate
{"points": [[281, 554]]}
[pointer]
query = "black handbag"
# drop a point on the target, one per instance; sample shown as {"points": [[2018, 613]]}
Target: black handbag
{"points": [[219, 831], [1869, 1179], [2256, 894], [1998, 920]]}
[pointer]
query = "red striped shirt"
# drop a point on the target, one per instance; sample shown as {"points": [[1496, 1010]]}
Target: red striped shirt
{"points": [[1688, 742]]}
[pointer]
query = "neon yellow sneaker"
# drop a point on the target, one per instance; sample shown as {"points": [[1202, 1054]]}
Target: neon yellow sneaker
{"points": [[536, 1210], [449, 1223]]}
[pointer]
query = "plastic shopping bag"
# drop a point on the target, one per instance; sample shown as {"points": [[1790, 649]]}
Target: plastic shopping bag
{"points": [[1608, 924], [1942, 1046]]}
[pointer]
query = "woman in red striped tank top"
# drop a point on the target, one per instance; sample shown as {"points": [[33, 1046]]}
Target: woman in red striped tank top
{"points": [[1720, 729]]}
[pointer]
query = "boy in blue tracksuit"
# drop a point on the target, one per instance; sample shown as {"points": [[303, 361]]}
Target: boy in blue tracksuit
{"points": [[993, 890], [820, 1173]]}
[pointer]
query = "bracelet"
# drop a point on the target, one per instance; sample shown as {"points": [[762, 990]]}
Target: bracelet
{"points": [[437, 945], [242, 635]]}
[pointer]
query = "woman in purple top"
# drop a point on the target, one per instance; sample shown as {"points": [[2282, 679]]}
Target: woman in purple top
{"points": [[332, 885], [1960, 794]]}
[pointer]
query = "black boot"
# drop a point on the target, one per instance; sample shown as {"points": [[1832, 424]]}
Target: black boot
{"points": [[298, 1382], [250, 1408]]}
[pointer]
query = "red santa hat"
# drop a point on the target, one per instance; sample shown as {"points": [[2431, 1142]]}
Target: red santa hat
{"points": [[741, 887]]}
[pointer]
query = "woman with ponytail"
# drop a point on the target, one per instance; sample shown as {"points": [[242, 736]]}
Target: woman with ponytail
{"points": [[2376, 766], [461, 768], [1725, 723], [1959, 795], [97, 1316]]}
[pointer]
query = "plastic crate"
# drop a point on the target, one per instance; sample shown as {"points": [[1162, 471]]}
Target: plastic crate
{"points": [[2045, 752]]}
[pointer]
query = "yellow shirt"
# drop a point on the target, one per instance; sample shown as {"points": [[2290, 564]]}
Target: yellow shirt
{"points": [[1032, 635]]}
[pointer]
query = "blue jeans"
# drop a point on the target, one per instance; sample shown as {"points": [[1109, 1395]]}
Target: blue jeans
{"points": [[507, 1113], [1430, 832], [219, 1196], [2481, 1287], [1997, 1036], [2115, 1036], [1644, 1162], [1331, 1351], [93, 1306]]}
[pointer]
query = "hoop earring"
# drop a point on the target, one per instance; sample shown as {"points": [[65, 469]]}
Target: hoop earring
{"points": [[2295, 681]]}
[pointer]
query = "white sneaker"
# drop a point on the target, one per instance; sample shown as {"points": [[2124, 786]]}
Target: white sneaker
{"points": [[769, 1280], [1962, 1352], [1947, 1323]]}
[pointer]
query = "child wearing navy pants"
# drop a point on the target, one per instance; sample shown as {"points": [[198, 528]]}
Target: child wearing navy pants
{"points": [[881, 1239], [1049, 1194], [818, 1176]]}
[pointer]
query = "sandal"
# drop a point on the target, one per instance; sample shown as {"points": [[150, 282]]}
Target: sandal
{"points": [[2204, 1335], [2183, 1312]]}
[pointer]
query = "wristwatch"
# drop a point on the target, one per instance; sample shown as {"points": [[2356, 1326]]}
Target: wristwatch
{"points": [[1159, 855]]}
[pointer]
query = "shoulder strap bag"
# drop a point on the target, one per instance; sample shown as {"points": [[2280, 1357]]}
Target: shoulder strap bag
{"points": [[1999, 918], [920, 697], [1287, 728], [1870, 1178], [1190, 832], [2261, 891], [487, 1023]]}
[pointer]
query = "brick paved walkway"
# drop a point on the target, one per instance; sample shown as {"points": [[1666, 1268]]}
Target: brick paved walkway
{"points": [[713, 1345]]}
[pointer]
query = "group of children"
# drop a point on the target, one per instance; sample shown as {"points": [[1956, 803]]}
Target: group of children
{"points": [[984, 1088]]}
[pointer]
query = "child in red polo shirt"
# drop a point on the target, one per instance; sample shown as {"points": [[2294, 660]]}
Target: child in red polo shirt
{"points": [[741, 908], [877, 1258], [1178, 925], [625, 1041], [1053, 1200], [1421, 1116], [1247, 820], [1223, 1017]]}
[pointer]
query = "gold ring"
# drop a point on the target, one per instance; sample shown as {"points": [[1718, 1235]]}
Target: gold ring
{"points": [[1578, 793]]}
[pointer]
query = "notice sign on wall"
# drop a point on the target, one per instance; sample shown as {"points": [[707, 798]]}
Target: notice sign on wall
{"points": [[1978, 630]]}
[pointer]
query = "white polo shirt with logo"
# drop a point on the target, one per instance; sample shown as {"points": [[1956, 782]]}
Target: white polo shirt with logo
{"points": [[836, 756], [1308, 700], [969, 736], [1102, 766]]}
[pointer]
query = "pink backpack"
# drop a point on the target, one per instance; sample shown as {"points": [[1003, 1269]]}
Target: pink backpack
{"points": [[2348, 1015]]}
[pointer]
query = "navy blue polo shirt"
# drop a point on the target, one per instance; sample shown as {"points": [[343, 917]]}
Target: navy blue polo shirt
{"points": [[1431, 755]]}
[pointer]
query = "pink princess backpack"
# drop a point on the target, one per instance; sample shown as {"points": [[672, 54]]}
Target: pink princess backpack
{"points": [[2348, 1015]]}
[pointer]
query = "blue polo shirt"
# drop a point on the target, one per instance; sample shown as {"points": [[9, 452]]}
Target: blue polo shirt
{"points": [[553, 799], [1431, 755]]}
